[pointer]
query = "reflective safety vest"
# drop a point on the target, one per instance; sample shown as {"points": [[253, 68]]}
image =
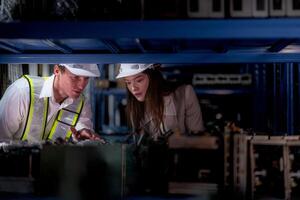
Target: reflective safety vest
{"points": [[36, 120]]}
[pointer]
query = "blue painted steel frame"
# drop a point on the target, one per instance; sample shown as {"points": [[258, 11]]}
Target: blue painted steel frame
{"points": [[122, 92], [290, 98], [276, 100], [188, 58], [297, 99], [162, 29], [260, 104], [283, 99], [214, 29]]}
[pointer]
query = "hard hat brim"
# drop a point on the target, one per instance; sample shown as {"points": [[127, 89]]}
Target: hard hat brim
{"points": [[125, 70], [92, 72], [122, 75]]}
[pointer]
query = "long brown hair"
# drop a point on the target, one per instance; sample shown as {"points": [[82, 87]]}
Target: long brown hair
{"points": [[153, 104]]}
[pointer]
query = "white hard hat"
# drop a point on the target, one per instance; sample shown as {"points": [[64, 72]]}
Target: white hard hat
{"points": [[90, 70], [130, 69]]}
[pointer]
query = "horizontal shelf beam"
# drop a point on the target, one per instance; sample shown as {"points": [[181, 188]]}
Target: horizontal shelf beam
{"points": [[56, 45], [188, 58], [162, 29], [8, 47], [203, 91]]}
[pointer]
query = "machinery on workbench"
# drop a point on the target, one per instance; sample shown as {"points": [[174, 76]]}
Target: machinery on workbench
{"points": [[263, 166], [19, 166], [89, 170], [86, 170], [237, 164]]}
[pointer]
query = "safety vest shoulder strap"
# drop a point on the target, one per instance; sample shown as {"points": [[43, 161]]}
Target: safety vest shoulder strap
{"points": [[37, 110]]}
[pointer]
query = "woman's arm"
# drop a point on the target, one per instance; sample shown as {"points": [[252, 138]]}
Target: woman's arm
{"points": [[193, 114]]}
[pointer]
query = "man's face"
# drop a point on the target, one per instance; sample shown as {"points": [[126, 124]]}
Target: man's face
{"points": [[70, 85]]}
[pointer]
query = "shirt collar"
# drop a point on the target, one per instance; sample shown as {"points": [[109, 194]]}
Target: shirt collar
{"points": [[47, 91]]}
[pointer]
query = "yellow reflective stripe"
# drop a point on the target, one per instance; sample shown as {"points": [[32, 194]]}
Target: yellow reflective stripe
{"points": [[55, 125], [46, 103], [45, 116], [78, 110], [30, 109]]}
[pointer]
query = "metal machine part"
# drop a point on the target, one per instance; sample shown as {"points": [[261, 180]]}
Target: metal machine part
{"points": [[19, 167], [269, 166], [87, 171]]}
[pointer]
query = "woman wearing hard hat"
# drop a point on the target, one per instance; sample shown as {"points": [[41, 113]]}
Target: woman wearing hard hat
{"points": [[155, 106], [155, 109]]}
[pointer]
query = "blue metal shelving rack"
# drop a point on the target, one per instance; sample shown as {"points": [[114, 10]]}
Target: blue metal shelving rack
{"points": [[206, 41], [166, 41]]}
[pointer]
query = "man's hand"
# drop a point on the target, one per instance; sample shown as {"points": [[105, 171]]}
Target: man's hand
{"points": [[84, 134]]}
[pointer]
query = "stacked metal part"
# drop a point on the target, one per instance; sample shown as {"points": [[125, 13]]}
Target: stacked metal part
{"points": [[7, 10]]}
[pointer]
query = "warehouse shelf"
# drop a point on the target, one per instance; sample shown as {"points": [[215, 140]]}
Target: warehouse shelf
{"points": [[164, 29], [204, 41], [166, 41], [113, 91], [272, 103], [210, 91]]}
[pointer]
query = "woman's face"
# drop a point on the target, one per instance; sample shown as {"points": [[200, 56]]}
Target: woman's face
{"points": [[138, 85]]}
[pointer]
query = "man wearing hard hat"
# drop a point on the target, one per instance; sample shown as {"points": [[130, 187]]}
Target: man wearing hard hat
{"points": [[35, 109]]}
